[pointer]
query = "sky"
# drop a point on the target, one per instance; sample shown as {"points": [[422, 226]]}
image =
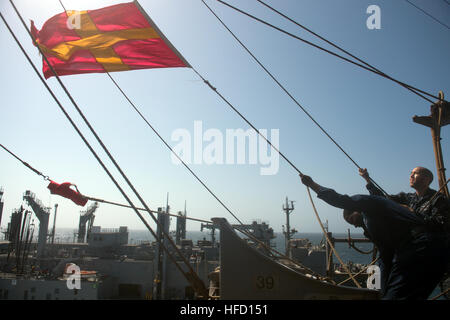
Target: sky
{"points": [[369, 116]]}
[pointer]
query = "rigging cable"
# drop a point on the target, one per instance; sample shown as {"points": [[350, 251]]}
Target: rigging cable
{"points": [[410, 88], [191, 275], [327, 51], [142, 209], [418, 8], [26, 164], [287, 92]]}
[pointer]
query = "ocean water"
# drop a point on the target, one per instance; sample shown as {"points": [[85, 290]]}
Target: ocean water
{"points": [[345, 252]]}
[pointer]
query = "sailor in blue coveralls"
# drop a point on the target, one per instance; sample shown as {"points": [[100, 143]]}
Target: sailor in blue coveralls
{"points": [[414, 256]]}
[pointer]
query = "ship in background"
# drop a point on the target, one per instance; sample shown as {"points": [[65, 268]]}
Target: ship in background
{"points": [[110, 268]]}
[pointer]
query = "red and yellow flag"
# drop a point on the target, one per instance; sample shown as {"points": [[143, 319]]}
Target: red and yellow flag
{"points": [[116, 38]]}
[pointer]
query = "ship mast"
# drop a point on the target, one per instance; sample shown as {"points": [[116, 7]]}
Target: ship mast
{"points": [[288, 232], [438, 118]]}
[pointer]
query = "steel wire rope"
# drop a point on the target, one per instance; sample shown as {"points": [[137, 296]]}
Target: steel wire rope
{"points": [[407, 86], [428, 14], [142, 209], [25, 163], [323, 49], [191, 271], [290, 96]]}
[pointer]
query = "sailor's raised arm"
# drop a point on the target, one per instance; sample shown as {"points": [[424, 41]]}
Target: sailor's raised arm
{"points": [[333, 198], [373, 190], [363, 173]]}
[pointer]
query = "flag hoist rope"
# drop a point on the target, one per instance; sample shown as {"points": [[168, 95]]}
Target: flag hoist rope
{"points": [[191, 276]]}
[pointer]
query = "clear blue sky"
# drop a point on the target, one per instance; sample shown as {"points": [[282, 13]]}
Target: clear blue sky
{"points": [[369, 116]]}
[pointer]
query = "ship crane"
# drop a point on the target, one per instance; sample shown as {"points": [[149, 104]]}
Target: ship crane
{"points": [[87, 217], [43, 214]]}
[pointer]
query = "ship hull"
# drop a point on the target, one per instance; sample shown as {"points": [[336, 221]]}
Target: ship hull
{"points": [[247, 274]]}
